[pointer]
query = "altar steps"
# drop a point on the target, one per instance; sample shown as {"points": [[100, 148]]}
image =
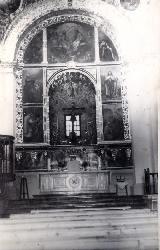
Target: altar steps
{"points": [[94, 200], [81, 229]]}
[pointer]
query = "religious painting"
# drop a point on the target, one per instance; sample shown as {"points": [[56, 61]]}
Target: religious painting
{"points": [[70, 42], [113, 128], [110, 84], [32, 124], [72, 95], [107, 51], [9, 7], [31, 160], [32, 85], [34, 52], [116, 156]]}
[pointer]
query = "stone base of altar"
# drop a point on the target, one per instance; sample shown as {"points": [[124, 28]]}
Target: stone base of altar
{"points": [[54, 182], [73, 182]]}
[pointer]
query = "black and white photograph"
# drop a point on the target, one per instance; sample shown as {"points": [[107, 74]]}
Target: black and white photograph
{"points": [[79, 124]]}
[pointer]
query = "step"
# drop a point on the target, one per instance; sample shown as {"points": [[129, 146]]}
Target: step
{"points": [[80, 200], [35, 223], [75, 216], [69, 206], [51, 210], [107, 230], [42, 236], [68, 217], [66, 202], [78, 223], [85, 244], [68, 198], [91, 211]]}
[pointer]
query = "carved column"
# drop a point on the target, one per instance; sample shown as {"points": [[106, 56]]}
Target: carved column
{"points": [[99, 117], [19, 105], [45, 45]]}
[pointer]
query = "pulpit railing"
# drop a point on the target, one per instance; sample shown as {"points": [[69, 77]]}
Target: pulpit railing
{"points": [[7, 165]]}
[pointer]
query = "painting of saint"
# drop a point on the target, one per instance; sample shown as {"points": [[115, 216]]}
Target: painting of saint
{"points": [[113, 128], [32, 86], [111, 88], [33, 124], [107, 51], [33, 53]]}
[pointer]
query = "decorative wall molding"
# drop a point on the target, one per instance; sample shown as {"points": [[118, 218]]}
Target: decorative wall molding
{"points": [[19, 105], [53, 74], [124, 94]]}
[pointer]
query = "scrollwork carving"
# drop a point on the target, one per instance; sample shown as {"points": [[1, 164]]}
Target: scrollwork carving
{"points": [[19, 105], [127, 133]]}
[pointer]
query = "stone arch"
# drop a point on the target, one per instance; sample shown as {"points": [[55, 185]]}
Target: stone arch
{"points": [[82, 71]]}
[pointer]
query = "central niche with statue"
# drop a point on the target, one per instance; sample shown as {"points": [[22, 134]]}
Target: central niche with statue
{"points": [[72, 110]]}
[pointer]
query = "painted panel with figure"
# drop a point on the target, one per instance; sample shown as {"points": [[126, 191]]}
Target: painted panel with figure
{"points": [[32, 85], [31, 160], [33, 53], [32, 124], [107, 51], [70, 41], [113, 128], [110, 84], [116, 156]]}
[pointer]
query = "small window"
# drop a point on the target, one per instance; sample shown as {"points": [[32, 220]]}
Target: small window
{"points": [[72, 123]]}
